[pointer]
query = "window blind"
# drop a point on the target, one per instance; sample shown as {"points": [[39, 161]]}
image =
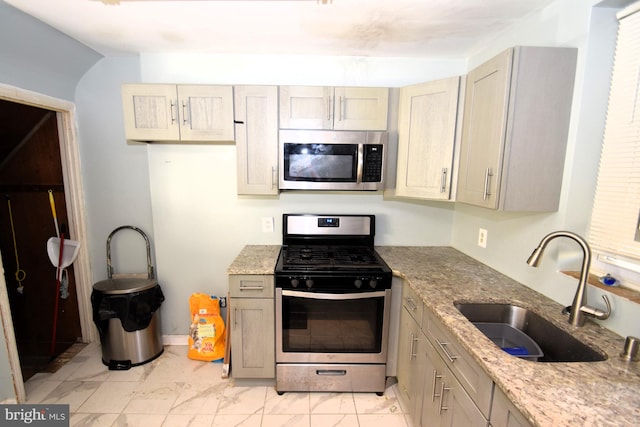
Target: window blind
{"points": [[616, 213]]}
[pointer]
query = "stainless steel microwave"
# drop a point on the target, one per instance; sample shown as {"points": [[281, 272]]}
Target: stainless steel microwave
{"points": [[332, 160]]}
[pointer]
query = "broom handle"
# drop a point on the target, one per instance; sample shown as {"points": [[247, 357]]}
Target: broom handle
{"points": [[53, 212]]}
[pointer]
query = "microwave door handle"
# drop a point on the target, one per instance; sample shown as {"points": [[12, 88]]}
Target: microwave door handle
{"points": [[360, 170]]}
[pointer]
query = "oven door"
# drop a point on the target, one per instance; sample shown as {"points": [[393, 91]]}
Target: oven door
{"points": [[332, 327]]}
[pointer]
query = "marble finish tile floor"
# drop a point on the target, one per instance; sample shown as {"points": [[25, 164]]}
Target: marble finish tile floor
{"points": [[176, 391]]}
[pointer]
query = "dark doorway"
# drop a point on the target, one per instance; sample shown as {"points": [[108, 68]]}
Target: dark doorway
{"points": [[30, 166]]}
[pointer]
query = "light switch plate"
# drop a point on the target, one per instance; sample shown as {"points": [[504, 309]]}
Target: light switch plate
{"points": [[267, 224]]}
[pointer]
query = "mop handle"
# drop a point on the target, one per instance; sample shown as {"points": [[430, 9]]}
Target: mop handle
{"points": [[53, 212]]}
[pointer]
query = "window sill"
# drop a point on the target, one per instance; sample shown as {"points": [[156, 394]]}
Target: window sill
{"points": [[630, 294]]}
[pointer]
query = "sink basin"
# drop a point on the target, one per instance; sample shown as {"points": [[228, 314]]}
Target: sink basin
{"points": [[556, 344]]}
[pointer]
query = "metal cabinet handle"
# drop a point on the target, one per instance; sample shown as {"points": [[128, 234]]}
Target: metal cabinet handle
{"points": [[433, 390], [184, 113], [273, 177], [332, 372], [329, 108], [340, 105], [235, 318], [251, 288], [412, 352], [410, 304], [172, 105], [443, 180], [442, 345], [442, 390], [487, 181]]}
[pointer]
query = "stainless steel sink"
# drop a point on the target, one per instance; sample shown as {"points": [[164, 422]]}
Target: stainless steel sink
{"points": [[556, 344]]}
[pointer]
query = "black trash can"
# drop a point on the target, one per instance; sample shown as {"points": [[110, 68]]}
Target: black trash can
{"points": [[126, 311], [127, 315]]}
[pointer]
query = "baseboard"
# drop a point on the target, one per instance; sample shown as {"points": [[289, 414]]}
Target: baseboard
{"points": [[175, 340]]}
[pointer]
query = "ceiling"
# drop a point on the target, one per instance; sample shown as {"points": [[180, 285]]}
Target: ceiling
{"points": [[384, 28]]}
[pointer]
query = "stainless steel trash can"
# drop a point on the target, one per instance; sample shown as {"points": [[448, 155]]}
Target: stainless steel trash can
{"points": [[126, 311]]}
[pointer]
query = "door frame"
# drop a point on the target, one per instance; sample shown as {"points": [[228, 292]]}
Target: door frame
{"points": [[74, 200]]}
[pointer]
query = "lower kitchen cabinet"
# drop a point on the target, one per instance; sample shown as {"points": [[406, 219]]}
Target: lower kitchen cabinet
{"points": [[252, 326], [504, 413], [411, 358], [468, 373], [445, 402], [438, 382]]}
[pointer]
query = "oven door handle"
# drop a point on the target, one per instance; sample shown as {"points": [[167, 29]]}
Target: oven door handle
{"points": [[316, 295]]}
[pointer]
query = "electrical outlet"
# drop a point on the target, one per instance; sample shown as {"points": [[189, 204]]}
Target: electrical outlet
{"points": [[482, 238], [267, 224]]}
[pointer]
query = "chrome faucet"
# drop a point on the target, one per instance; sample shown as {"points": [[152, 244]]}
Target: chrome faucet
{"points": [[579, 308]]}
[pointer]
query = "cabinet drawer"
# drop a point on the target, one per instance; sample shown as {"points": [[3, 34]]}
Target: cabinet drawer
{"points": [[472, 378], [251, 286], [412, 302]]}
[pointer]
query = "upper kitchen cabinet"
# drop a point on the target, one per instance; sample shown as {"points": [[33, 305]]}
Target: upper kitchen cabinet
{"points": [[340, 108], [158, 112], [514, 133], [426, 139], [256, 113]]}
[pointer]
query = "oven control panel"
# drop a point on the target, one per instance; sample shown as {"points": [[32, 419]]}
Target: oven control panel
{"points": [[333, 284], [329, 222]]}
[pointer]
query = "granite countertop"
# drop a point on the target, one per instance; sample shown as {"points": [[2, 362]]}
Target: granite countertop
{"points": [[254, 259], [548, 394]]}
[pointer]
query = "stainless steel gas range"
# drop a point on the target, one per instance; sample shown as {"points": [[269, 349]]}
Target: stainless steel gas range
{"points": [[333, 296]]}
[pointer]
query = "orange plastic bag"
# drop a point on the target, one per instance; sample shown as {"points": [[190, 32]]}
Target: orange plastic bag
{"points": [[206, 333]]}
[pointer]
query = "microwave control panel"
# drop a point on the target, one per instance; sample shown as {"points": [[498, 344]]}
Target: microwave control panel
{"points": [[372, 163]]}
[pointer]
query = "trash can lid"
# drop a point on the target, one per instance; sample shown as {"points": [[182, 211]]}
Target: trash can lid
{"points": [[124, 286]]}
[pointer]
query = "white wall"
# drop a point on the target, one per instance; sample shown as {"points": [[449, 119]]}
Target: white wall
{"points": [[512, 236], [115, 174]]}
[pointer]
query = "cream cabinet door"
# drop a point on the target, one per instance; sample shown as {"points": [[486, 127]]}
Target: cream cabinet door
{"points": [[433, 399], [178, 113], [151, 112], [340, 108], [206, 113], [252, 338], [445, 401], [515, 127], [426, 139], [306, 107], [256, 114], [360, 108], [411, 348], [504, 413], [483, 131]]}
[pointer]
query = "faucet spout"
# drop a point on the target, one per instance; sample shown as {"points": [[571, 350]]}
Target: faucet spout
{"points": [[579, 307]]}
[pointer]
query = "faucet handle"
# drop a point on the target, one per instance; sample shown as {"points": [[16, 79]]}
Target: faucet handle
{"points": [[597, 313]]}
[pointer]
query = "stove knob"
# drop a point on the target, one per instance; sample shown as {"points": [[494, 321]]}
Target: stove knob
{"points": [[295, 283], [358, 283], [373, 283], [309, 283]]}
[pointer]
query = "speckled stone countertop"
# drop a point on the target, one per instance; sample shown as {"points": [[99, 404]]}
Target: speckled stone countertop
{"points": [[548, 394], [254, 259]]}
